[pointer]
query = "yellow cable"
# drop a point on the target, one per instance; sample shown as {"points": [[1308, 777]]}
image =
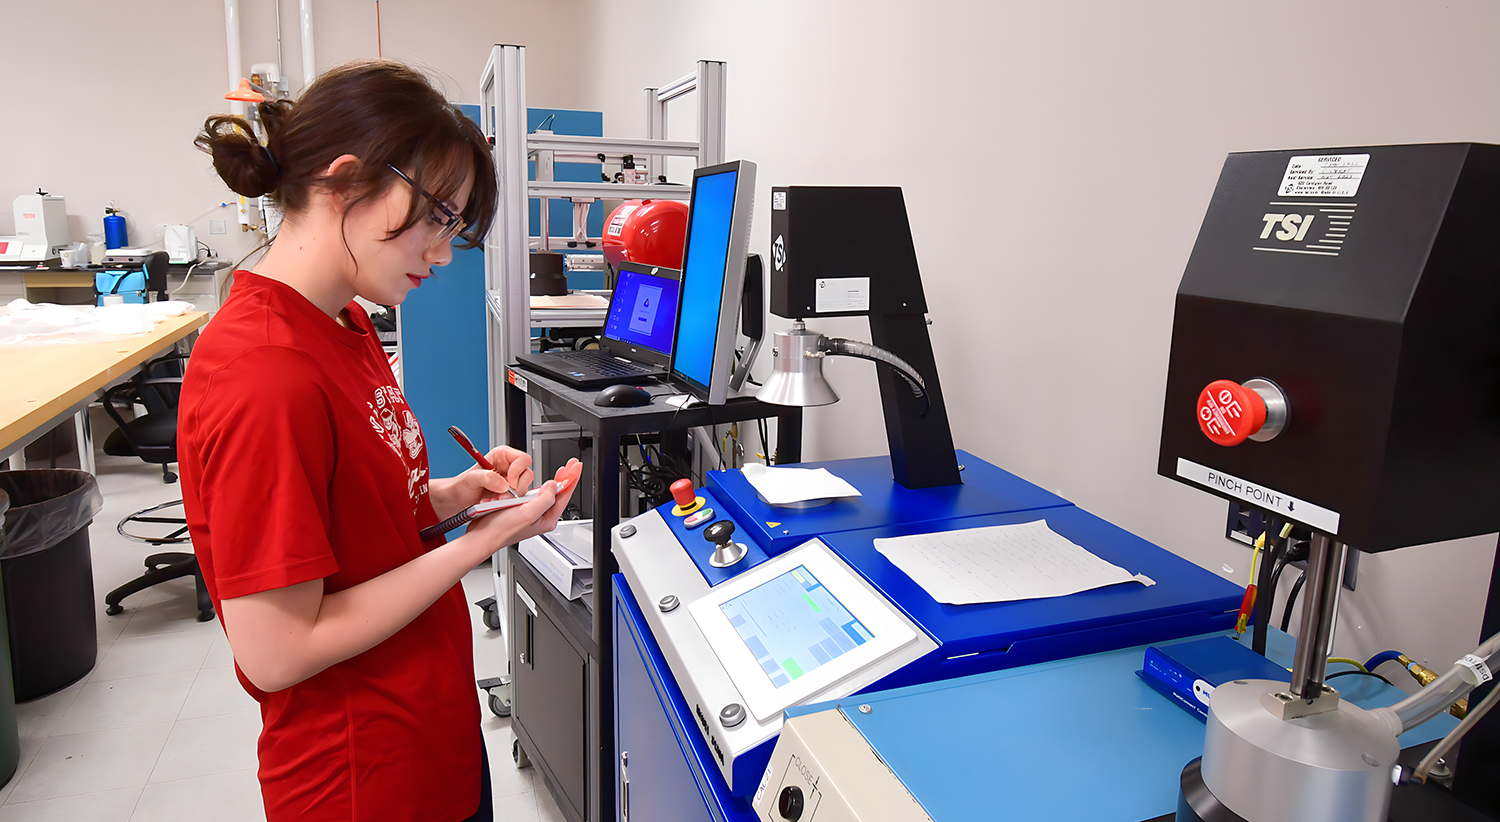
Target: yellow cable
{"points": [[1260, 543], [1348, 661]]}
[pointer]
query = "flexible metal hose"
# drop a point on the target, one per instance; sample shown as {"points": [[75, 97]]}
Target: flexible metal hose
{"points": [[866, 351]]}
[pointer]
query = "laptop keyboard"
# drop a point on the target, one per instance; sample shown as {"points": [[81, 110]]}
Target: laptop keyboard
{"points": [[604, 363]]}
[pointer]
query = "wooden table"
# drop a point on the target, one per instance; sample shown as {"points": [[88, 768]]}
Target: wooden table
{"points": [[41, 385]]}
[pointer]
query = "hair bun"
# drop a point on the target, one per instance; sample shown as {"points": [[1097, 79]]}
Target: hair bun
{"points": [[242, 162]]}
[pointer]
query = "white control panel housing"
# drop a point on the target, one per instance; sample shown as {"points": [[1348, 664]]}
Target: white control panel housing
{"points": [[656, 567]]}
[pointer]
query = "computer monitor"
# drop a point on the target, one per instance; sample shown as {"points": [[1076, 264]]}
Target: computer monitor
{"points": [[713, 276]]}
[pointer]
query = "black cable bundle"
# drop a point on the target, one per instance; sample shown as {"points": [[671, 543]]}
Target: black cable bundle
{"points": [[652, 479]]}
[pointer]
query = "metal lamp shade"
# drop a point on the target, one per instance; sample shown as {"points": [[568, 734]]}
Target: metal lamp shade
{"points": [[797, 376]]}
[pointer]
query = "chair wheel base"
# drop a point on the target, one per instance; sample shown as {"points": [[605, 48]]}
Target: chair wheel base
{"points": [[113, 610]]}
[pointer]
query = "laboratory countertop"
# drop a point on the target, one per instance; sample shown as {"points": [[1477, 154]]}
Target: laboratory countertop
{"points": [[43, 381]]}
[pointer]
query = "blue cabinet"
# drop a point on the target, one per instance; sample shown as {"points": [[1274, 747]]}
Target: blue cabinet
{"points": [[658, 752]]}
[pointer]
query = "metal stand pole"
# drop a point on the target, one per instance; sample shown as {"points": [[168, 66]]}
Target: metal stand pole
{"points": [[1325, 571]]}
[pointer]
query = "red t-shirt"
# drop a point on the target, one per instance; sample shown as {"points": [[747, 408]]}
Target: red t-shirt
{"points": [[301, 460]]}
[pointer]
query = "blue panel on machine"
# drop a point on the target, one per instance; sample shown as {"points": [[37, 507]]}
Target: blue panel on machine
{"points": [[1091, 715], [700, 549], [986, 489], [1186, 600]]}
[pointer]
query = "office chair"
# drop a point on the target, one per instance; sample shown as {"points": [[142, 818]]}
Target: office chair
{"points": [[156, 274], [153, 438]]}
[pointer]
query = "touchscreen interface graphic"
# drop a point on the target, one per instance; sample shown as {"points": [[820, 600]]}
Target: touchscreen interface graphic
{"points": [[793, 625]]}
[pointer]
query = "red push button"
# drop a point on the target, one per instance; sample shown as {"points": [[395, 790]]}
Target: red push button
{"points": [[1229, 412], [682, 493], [687, 501]]}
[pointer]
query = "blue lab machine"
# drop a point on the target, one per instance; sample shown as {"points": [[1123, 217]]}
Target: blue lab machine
{"points": [[690, 741]]}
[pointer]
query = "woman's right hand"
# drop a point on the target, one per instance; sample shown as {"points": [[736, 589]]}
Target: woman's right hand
{"points": [[539, 516]]}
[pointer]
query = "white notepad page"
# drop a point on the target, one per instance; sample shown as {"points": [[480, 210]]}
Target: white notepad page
{"points": [[1001, 563]]}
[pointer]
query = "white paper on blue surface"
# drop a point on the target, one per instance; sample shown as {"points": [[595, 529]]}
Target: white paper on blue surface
{"points": [[781, 486], [1001, 563]]}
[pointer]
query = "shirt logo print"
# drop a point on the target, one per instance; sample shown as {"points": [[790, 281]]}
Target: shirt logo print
{"points": [[394, 423]]}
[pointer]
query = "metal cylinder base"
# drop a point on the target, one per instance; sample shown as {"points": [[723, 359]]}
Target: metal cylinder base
{"points": [[1333, 766]]}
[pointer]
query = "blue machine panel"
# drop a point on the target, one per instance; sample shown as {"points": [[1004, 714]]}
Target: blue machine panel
{"points": [[701, 549], [1028, 734], [986, 489], [1186, 600], [669, 763]]}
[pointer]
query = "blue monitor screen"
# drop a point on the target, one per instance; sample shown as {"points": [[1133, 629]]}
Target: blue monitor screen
{"points": [[643, 310], [794, 625], [703, 266]]}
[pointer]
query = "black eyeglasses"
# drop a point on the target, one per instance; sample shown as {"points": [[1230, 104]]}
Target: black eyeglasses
{"points": [[442, 217]]}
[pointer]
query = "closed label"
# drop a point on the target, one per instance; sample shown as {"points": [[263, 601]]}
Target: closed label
{"points": [[838, 294], [1324, 175], [617, 223]]}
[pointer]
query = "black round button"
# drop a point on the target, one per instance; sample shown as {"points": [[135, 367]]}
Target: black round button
{"points": [[789, 804], [720, 532]]}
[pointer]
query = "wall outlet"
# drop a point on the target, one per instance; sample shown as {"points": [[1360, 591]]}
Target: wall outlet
{"points": [[216, 226]]}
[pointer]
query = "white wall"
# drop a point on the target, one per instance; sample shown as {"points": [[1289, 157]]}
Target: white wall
{"points": [[1057, 159], [101, 101]]}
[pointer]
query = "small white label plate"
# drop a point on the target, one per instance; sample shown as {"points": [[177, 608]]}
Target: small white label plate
{"points": [[1260, 496], [842, 294], [778, 201], [518, 381], [765, 781], [1323, 175], [617, 225]]}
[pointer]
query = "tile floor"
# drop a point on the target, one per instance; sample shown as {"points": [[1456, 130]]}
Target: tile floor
{"points": [[160, 729]]}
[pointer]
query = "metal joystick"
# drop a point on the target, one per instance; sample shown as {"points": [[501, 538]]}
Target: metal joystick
{"points": [[727, 552]]}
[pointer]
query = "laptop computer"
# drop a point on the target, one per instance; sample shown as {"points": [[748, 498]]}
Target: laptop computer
{"points": [[639, 330]]}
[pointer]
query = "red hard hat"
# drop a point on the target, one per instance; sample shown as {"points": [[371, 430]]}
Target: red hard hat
{"points": [[648, 232]]}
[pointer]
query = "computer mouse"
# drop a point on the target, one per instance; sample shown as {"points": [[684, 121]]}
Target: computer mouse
{"points": [[622, 396]]}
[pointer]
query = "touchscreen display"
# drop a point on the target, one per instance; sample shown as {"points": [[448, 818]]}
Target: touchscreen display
{"points": [[793, 625]]}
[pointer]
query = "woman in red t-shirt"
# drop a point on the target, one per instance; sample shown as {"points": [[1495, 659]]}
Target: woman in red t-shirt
{"points": [[305, 474]]}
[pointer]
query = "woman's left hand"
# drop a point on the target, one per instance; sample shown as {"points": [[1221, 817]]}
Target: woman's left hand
{"points": [[512, 473]]}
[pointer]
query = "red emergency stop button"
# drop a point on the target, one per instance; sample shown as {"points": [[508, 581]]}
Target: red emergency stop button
{"points": [[1229, 412], [687, 501]]}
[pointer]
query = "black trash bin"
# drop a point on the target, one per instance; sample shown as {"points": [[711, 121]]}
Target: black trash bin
{"points": [[48, 578], [10, 734]]}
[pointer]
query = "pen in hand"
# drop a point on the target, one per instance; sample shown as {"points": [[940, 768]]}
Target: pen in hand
{"points": [[474, 452]]}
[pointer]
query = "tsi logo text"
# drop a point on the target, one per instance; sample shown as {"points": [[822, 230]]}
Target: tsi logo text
{"points": [[1293, 226]]}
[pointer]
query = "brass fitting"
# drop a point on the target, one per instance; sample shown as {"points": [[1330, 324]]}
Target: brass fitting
{"points": [[1426, 676]]}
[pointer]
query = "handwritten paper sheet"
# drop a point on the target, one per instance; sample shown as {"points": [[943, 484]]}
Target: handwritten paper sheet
{"points": [[1001, 563]]}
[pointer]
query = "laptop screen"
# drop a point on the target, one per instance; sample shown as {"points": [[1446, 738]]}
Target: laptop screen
{"points": [[643, 310]]}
